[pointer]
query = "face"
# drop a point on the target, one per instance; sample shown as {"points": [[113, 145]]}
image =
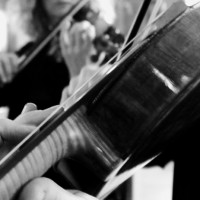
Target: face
{"points": [[55, 9]]}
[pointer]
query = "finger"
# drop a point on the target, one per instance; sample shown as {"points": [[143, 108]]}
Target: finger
{"points": [[14, 62], [13, 132], [21, 59], [72, 37], [34, 190], [77, 41], [67, 41], [8, 67], [2, 72], [64, 95], [88, 34], [29, 107], [74, 31], [46, 189], [78, 38], [35, 117]]}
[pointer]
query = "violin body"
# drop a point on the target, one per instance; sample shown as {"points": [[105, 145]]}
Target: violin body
{"points": [[130, 113]]}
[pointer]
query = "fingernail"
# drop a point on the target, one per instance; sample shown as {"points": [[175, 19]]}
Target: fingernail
{"points": [[29, 107]]}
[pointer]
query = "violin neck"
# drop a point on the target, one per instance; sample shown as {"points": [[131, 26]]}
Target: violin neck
{"points": [[65, 140], [69, 134]]}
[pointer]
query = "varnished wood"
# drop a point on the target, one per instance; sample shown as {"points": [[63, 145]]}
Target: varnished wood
{"points": [[131, 112]]}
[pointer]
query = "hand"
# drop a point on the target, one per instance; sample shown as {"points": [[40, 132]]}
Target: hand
{"points": [[13, 131], [78, 81], [76, 45], [46, 189], [8, 66]]}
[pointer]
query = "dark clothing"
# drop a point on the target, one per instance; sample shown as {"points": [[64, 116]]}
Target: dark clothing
{"points": [[41, 82]]}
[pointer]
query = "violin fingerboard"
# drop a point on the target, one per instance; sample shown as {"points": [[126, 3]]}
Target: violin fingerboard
{"points": [[65, 140]]}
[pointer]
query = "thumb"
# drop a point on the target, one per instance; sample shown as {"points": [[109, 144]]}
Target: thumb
{"points": [[34, 117], [29, 107]]}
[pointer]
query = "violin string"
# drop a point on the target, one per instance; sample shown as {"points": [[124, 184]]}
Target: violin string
{"points": [[103, 70], [153, 15], [135, 26], [132, 41]]}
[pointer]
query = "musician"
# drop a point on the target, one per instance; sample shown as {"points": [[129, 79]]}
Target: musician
{"points": [[11, 132], [33, 26], [50, 71]]}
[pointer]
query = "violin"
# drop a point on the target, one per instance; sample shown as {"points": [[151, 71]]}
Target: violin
{"points": [[108, 42], [123, 117], [31, 53]]}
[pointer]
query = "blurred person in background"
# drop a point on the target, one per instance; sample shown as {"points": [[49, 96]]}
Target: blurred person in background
{"points": [[42, 81]]}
